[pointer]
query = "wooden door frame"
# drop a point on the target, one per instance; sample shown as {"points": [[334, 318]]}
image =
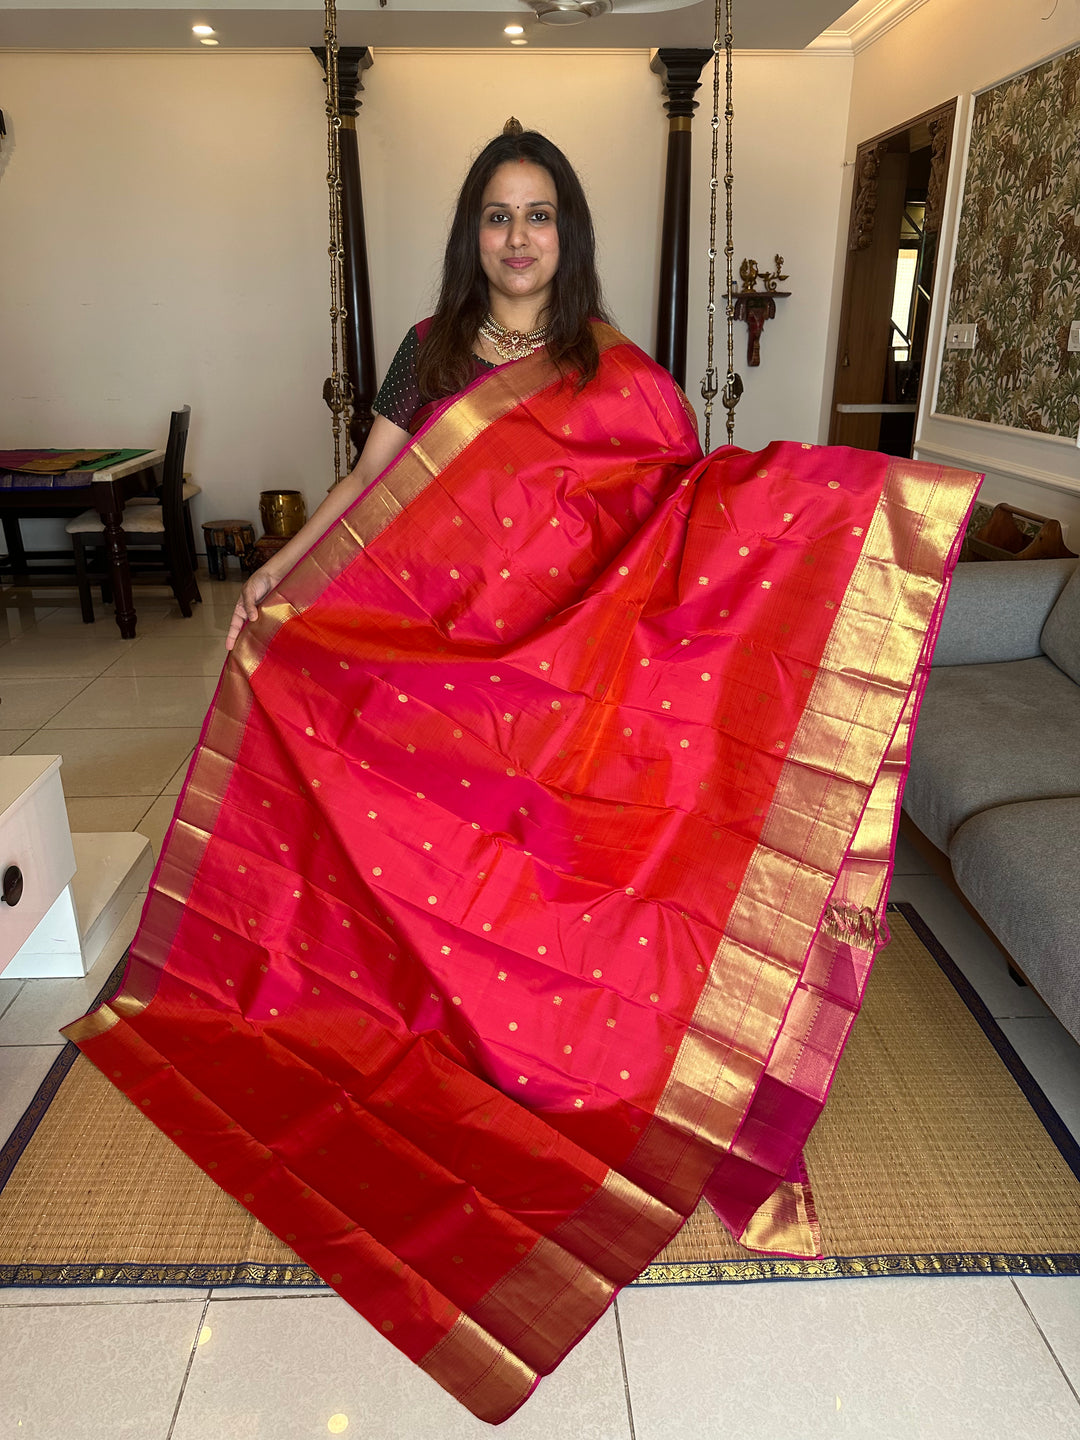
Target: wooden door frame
{"points": [[861, 286]]}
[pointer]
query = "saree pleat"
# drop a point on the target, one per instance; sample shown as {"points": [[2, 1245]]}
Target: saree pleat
{"points": [[528, 874]]}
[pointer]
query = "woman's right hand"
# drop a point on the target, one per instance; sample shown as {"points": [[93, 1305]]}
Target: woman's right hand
{"points": [[384, 443], [256, 588]]}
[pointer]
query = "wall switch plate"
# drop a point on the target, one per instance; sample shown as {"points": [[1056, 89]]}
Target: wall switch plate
{"points": [[960, 337], [1074, 335]]}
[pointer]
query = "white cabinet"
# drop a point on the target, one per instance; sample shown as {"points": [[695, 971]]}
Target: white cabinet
{"points": [[35, 839], [75, 889]]}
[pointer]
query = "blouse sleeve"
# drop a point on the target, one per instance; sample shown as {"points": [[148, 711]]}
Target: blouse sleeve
{"points": [[399, 395]]}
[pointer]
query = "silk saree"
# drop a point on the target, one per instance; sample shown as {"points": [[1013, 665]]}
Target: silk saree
{"points": [[530, 867]]}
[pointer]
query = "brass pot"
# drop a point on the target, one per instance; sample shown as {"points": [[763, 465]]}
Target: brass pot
{"points": [[283, 511]]}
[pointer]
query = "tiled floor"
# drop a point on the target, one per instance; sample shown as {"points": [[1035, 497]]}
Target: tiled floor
{"points": [[919, 1359]]}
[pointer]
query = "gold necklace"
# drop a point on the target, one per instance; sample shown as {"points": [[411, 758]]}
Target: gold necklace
{"points": [[511, 344]]}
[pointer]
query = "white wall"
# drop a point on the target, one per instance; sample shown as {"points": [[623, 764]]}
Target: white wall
{"points": [[957, 47], [790, 114], [163, 233], [946, 47]]}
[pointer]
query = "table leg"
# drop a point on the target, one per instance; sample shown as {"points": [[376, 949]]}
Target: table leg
{"points": [[111, 510], [15, 553]]}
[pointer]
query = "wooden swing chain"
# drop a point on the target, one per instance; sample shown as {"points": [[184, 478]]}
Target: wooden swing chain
{"points": [[733, 388], [722, 40], [337, 388], [709, 386]]}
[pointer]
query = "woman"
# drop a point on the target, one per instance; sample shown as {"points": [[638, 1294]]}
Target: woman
{"points": [[528, 874], [519, 275]]}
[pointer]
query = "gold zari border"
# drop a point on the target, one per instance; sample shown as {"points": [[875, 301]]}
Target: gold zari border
{"points": [[852, 739]]}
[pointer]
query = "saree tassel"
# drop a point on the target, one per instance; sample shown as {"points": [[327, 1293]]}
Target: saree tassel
{"points": [[853, 926]]}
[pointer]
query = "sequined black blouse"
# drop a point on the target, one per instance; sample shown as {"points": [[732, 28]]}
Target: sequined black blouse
{"points": [[399, 396]]}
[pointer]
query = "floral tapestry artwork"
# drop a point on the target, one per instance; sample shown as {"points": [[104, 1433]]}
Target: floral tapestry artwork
{"points": [[1017, 271]]}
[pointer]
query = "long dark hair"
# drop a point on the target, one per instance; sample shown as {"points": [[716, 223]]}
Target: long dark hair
{"points": [[445, 361]]}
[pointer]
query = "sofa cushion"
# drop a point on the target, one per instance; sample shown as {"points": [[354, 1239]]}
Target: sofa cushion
{"points": [[997, 611], [1061, 633], [990, 735], [1018, 865]]}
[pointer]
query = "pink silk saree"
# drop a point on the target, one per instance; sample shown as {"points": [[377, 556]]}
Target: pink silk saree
{"points": [[529, 871]]}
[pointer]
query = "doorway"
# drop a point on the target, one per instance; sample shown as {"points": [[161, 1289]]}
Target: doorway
{"points": [[896, 208]]}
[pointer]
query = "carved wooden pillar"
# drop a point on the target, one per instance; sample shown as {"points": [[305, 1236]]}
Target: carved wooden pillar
{"points": [[680, 71], [359, 331]]}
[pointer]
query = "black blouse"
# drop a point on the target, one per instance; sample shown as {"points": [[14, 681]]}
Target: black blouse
{"points": [[399, 395]]}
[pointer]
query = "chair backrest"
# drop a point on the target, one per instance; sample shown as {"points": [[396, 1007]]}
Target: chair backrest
{"points": [[172, 489]]}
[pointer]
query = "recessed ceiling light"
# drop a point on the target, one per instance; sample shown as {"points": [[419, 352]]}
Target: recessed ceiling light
{"points": [[202, 29], [207, 42], [519, 42], [514, 30]]}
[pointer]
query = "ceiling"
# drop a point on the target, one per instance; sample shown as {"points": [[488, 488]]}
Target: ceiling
{"points": [[478, 24]]}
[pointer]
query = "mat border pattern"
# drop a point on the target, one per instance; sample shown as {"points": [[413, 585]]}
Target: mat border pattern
{"points": [[689, 1272]]}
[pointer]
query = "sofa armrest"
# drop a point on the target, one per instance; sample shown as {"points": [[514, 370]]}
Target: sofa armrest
{"points": [[996, 610]]}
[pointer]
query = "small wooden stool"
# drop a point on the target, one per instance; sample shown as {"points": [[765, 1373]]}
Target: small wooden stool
{"points": [[264, 547], [224, 538]]}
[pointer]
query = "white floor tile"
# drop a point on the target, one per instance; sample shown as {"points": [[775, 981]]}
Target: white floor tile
{"points": [[147, 612], [12, 740], [166, 652], [124, 701], [281, 1369], [91, 1372], [1054, 1301], [968, 944], [1053, 1057], [897, 1359], [114, 761], [155, 823], [18, 614], [97, 1295], [179, 775], [66, 654], [212, 617], [8, 990], [35, 1015], [29, 703], [104, 813], [272, 1292], [21, 1072]]}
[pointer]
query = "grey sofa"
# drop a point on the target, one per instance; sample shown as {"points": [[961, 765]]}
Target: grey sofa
{"points": [[995, 766]]}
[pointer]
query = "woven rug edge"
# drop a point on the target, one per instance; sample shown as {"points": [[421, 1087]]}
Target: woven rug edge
{"points": [[705, 1272]]}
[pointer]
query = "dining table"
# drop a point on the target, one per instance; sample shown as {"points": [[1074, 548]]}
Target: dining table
{"points": [[41, 489]]}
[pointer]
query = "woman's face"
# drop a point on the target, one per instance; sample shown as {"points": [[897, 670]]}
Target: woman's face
{"points": [[519, 234]]}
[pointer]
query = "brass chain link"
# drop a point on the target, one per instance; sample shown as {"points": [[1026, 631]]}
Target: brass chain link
{"points": [[723, 39], [338, 390]]}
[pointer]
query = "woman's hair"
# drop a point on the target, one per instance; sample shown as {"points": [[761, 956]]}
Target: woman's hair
{"points": [[445, 361]]}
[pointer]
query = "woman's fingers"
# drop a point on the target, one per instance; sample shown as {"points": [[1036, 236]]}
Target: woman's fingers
{"points": [[239, 619], [247, 607]]}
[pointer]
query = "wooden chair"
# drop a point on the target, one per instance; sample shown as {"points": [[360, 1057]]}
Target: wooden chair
{"points": [[190, 491], [157, 527]]}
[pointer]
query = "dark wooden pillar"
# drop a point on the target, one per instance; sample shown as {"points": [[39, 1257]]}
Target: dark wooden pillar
{"points": [[680, 71], [359, 330]]}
